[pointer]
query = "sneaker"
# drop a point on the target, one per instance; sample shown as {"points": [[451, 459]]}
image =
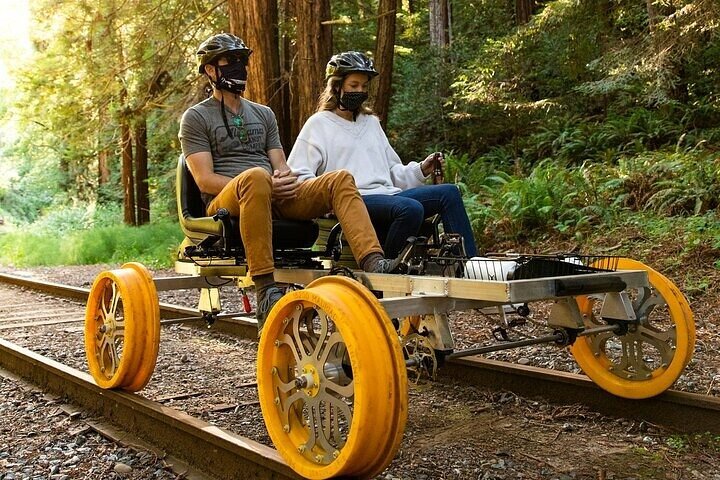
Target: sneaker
{"points": [[265, 304], [387, 265]]}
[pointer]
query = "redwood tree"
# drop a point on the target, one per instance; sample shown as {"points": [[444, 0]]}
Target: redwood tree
{"points": [[314, 47], [256, 22], [384, 51], [523, 11]]}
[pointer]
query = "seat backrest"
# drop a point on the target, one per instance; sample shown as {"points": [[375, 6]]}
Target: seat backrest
{"points": [[189, 199], [195, 223]]}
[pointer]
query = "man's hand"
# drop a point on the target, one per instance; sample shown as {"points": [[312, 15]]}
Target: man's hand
{"points": [[285, 185], [428, 164]]}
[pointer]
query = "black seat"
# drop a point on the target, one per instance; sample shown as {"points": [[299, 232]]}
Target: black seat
{"points": [[208, 232]]}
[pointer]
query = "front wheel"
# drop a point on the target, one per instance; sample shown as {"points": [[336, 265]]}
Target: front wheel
{"points": [[332, 381], [650, 357]]}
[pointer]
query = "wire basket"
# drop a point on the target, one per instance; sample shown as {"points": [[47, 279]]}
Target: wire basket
{"points": [[511, 266]]}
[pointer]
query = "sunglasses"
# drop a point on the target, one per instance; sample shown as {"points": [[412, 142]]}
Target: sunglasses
{"points": [[233, 58], [239, 123]]}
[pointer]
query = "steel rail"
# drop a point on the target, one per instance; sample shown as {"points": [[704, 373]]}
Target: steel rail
{"points": [[682, 411], [206, 447]]}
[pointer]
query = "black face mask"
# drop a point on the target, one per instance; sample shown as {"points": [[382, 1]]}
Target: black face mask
{"points": [[232, 77], [352, 100]]}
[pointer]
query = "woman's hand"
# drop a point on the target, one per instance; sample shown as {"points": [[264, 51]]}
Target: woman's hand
{"points": [[428, 165], [285, 185]]}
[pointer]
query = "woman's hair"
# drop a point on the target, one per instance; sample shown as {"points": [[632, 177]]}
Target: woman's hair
{"points": [[329, 97]]}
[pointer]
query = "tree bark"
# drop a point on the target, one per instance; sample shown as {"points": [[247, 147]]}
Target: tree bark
{"points": [[384, 52], [314, 47], [256, 22], [439, 23], [128, 182], [287, 54], [141, 172], [523, 11]]}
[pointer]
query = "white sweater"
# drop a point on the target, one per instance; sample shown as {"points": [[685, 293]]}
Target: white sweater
{"points": [[328, 142]]}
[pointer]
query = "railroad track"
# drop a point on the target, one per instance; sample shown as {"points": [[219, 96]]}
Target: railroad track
{"points": [[208, 446]]}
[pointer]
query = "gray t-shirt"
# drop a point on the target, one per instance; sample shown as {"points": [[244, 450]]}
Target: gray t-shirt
{"points": [[202, 130]]}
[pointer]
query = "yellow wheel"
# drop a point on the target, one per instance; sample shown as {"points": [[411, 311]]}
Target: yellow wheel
{"points": [[122, 328], [332, 381], [148, 330], [650, 357]]}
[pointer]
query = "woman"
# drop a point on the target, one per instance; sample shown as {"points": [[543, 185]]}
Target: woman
{"points": [[344, 134]]}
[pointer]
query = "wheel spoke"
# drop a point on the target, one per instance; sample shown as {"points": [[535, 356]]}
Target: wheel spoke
{"points": [[346, 391], [287, 405], [334, 339], [662, 341]]}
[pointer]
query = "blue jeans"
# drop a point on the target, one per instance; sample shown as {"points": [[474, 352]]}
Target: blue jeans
{"points": [[397, 217]]}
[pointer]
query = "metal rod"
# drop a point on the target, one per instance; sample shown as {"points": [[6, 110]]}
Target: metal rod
{"points": [[171, 321], [557, 337], [411, 362], [593, 331]]}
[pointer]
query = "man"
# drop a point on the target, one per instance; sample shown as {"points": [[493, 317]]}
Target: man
{"points": [[233, 151]]}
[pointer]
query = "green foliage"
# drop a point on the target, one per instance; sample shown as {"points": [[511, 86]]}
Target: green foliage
{"points": [[671, 183], [152, 244], [552, 199]]}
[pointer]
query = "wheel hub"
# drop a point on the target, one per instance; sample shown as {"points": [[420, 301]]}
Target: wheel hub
{"points": [[310, 380]]}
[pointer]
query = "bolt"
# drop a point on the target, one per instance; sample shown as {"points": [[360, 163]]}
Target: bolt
{"points": [[277, 400], [318, 458], [274, 371], [597, 354], [648, 375], [298, 308], [663, 365], [301, 448], [277, 343], [286, 428], [631, 376], [285, 321], [103, 328], [336, 453]]}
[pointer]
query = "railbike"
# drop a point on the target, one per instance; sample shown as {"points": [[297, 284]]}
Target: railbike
{"points": [[338, 350]]}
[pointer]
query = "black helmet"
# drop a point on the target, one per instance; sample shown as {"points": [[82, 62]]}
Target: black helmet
{"points": [[217, 45], [344, 63]]}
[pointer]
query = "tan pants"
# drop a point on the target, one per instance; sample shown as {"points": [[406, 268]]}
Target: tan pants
{"points": [[249, 196]]}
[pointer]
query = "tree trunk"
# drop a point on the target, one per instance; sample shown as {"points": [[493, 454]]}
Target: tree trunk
{"points": [[128, 182], [439, 23], [384, 58], [141, 172], [523, 11], [103, 155], [256, 22], [314, 47], [652, 14], [288, 131]]}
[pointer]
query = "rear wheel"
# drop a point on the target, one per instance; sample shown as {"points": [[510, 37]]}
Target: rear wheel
{"points": [[122, 328]]}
